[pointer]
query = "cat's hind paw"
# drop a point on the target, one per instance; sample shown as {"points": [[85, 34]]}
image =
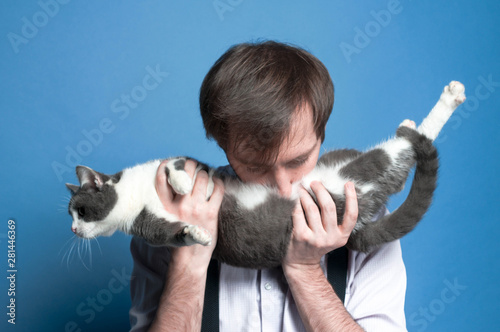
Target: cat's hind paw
{"points": [[408, 123], [197, 235], [454, 93]]}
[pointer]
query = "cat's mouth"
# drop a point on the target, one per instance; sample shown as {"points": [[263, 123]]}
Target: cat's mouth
{"points": [[78, 232], [92, 233]]}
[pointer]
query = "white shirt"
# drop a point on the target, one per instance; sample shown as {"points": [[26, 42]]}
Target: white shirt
{"points": [[259, 300]]}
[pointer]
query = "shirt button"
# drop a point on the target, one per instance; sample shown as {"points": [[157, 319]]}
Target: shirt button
{"points": [[267, 286]]}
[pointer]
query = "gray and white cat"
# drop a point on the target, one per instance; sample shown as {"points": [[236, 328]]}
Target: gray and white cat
{"points": [[255, 223]]}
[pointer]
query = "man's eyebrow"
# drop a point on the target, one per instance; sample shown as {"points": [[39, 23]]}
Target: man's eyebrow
{"points": [[301, 157], [256, 163], [251, 162]]}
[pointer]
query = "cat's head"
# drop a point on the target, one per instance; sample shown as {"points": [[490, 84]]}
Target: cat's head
{"points": [[92, 202]]}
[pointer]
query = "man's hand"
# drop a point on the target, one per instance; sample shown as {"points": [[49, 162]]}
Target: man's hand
{"points": [[315, 230], [193, 209], [315, 233], [181, 303]]}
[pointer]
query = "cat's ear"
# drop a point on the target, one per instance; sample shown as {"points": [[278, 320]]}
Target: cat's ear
{"points": [[89, 178], [72, 188]]}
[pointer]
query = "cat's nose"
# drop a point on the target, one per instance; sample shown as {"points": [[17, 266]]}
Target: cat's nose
{"points": [[73, 229]]}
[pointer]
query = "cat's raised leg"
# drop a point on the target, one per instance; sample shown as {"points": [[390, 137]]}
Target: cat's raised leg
{"points": [[453, 95]]}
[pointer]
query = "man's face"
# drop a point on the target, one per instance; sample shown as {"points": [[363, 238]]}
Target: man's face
{"points": [[297, 157]]}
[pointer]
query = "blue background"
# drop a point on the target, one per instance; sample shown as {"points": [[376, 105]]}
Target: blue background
{"points": [[64, 71]]}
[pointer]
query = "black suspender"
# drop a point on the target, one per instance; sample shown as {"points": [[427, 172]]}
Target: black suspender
{"points": [[336, 273], [336, 268], [210, 318]]}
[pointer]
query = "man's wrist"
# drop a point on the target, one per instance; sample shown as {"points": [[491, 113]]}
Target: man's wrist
{"points": [[189, 262], [302, 271]]}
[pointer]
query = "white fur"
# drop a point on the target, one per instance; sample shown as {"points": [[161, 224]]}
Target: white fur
{"points": [[249, 196], [331, 180], [135, 189], [395, 146], [452, 96], [329, 177]]}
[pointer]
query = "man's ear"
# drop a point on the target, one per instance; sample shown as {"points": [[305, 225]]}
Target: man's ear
{"points": [[72, 188], [89, 178]]}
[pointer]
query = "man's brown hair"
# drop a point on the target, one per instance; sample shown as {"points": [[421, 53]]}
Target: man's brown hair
{"points": [[252, 91]]}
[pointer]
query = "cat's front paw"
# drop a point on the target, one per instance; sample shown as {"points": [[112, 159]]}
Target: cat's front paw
{"points": [[178, 178], [196, 234], [454, 93]]}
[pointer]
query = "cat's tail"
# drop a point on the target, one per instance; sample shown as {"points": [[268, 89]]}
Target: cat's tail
{"points": [[404, 219], [401, 221]]}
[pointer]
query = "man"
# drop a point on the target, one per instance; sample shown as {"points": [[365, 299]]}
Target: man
{"points": [[266, 105]]}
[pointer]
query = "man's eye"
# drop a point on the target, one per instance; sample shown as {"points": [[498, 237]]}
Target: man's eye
{"points": [[297, 163], [256, 170]]}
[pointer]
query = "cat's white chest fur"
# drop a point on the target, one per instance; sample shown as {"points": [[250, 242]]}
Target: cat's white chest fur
{"points": [[136, 190]]}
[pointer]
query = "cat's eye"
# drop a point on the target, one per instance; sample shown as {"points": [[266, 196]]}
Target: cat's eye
{"points": [[81, 211]]}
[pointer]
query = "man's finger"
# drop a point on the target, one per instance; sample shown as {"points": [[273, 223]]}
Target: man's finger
{"points": [[326, 205], [311, 210], [218, 192], [298, 218], [200, 184], [351, 208], [190, 167], [162, 187]]}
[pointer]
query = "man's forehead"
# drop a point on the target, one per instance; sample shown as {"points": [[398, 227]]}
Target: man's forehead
{"points": [[287, 153], [300, 141]]}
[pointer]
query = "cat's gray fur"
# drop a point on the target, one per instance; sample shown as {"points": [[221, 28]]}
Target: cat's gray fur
{"points": [[254, 232]]}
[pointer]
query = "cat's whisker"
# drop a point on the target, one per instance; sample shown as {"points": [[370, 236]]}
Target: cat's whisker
{"points": [[80, 250], [62, 208], [65, 201], [98, 245], [64, 247], [72, 251], [89, 246], [68, 254], [65, 244], [84, 249]]}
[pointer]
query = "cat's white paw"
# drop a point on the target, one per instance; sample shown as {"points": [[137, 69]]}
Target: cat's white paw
{"points": [[180, 181], [454, 93], [195, 234], [177, 177], [408, 123]]}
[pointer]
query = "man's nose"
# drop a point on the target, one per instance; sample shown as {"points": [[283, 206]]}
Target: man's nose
{"points": [[283, 181]]}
